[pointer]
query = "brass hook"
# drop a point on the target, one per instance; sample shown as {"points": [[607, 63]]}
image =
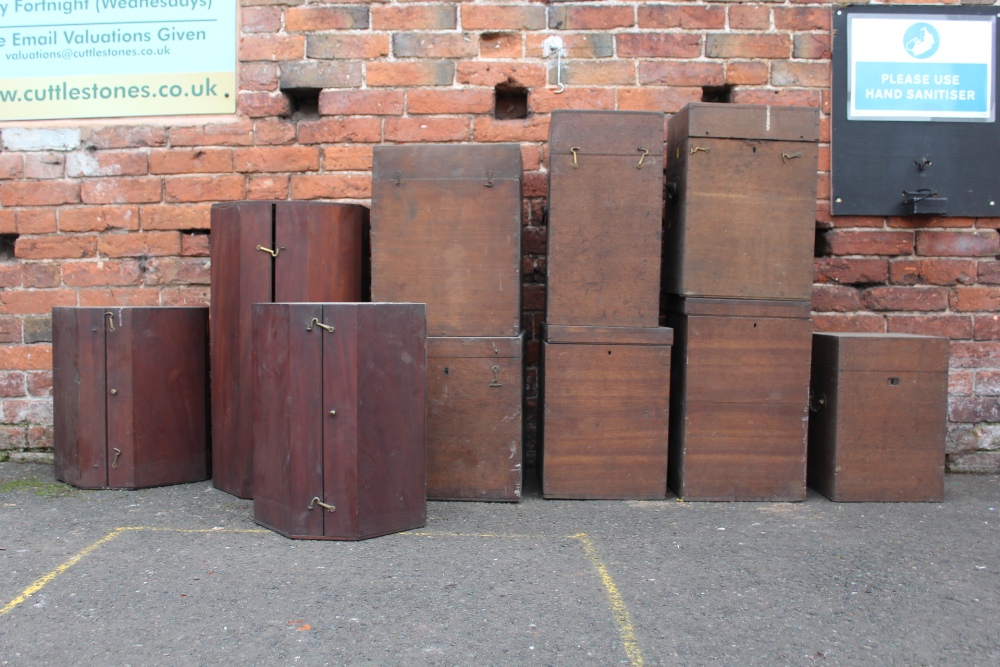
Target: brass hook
{"points": [[111, 320], [316, 322], [114, 462], [698, 149], [785, 157], [641, 157], [316, 501], [272, 253], [496, 377], [574, 151]]}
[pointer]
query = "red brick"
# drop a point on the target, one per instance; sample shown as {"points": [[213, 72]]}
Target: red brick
{"points": [[835, 298], [533, 297], [961, 383], [268, 186], [102, 273], [988, 383], [948, 326], [274, 131], [39, 383], [157, 218], [597, 73], [261, 105], [747, 73], [8, 221], [213, 134], [434, 45], [847, 271], [845, 221], [811, 47], [11, 166], [807, 74], [427, 129], [178, 271], [500, 45], [34, 302], [531, 158], [191, 161], [121, 191], [926, 222], [119, 296], [260, 19], [41, 276], [588, 17], [48, 193], [658, 45], [204, 188], [45, 166], [987, 327], [696, 17], [989, 272], [125, 136], [12, 384], [410, 73], [802, 18], [273, 47], [681, 73], [137, 244], [419, 17], [196, 245], [979, 243], [362, 46], [37, 357], [347, 158], [933, 271], [490, 74], [575, 45], [668, 100], [503, 17], [10, 275], [341, 130], [27, 410], [98, 218], [823, 160], [106, 163], [977, 354], [966, 299], [783, 97], [749, 17], [464, 101], [313, 18], [10, 329], [972, 410], [851, 242], [55, 247], [361, 102], [748, 45], [920, 299], [186, 296], [276, 159], [545, 100], [533, 128], [331, 186], [36, 221]]}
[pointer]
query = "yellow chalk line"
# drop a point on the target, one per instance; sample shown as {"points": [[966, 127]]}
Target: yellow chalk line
{"points": [[622, 618], [41, 582]]}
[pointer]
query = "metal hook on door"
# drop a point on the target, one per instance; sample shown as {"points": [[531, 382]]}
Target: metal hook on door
{"points": [[316, 322], [316, 501], [111, 320], [272, 253], [114, 462]]}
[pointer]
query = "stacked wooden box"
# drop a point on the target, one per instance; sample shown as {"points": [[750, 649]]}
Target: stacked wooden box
{"points": [[446, 231], [738, 247], [606, 362]]}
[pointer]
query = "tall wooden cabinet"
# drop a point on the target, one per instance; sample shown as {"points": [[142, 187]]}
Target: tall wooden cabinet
{"points": [[339, 418], [263, 252], [130, 394]]}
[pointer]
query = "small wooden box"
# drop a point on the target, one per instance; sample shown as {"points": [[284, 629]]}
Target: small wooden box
{"points": [[446, 231], [741, 201], [339, 418], [266, 251], [605, 412], [605, 218], [130, 394], [878, 417], [474, 424], [739, 399]]}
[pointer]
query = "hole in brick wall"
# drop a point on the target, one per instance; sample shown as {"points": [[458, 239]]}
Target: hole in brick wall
{"points": [[198, 232], [304, 101], [7, 242], [510, 102], [722, 94]]}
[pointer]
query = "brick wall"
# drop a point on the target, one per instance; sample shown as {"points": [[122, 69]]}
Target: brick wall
{"points": [[118, 213]]}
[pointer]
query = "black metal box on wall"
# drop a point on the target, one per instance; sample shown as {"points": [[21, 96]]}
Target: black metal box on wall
{"points": [[914, 111]]}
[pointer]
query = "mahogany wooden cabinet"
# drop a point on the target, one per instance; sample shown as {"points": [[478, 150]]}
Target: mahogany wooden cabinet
{"points": [[604, 219], [739, 396], [262, 252], [605, 414], [130, 394], [446, 231], [878, 417], [741, 201], [339, 418], [474, 421]]}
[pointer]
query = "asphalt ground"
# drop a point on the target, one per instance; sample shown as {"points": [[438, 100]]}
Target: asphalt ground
{"points": [[181, 575]]}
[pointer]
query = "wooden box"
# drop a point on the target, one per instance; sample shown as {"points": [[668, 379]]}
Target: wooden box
{"points": [[739, 398], [130, 394], [446, 231], [474, 424], [339, 418], [605, 218], [878, 417], [741, 202], [262, 252], [605, 412]]}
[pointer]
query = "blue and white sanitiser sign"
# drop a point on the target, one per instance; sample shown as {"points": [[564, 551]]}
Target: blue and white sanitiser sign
{"points": [[921, 67]]}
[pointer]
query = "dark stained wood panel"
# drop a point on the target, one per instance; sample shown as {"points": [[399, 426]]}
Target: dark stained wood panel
{"points": [[604, 218], [554, 333], [680, 305], [747, 121], [121, 398]]}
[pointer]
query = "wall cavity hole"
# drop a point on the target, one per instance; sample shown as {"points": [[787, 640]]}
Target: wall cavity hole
{"points": [[304, 102], [722, 94], [7, 243], [511, 102]]}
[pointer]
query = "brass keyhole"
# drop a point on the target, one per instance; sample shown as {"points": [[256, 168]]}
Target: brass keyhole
{"points": [[496, 377]]}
